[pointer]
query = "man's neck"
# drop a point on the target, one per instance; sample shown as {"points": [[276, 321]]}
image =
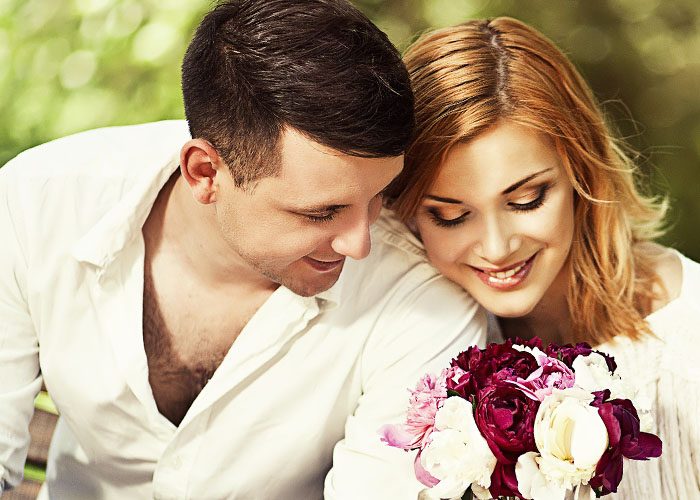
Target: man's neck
{"points": [[181, 226]]}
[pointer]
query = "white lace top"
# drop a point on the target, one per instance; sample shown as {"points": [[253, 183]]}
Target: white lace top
{"points": [[666, 369]]}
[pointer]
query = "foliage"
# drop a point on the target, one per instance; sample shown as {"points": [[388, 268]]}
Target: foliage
{"points": [[71, 65]]}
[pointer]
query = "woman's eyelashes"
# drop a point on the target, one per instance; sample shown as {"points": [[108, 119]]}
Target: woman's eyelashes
{"points": [[536, 199], [528, 202], [440, 220]]}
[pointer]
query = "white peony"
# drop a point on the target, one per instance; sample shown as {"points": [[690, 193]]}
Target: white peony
{"points": [[457, 414], [592, 374], [457, 454], [532, 483], [447, 459], [570, 436], [535, 351], [480, 492]]}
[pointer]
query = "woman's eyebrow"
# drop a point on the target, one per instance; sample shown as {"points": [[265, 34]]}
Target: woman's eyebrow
{"points": [[443, 200], [527, 179]]}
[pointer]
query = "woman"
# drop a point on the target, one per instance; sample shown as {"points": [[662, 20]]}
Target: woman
{"points": [[521, 195]]}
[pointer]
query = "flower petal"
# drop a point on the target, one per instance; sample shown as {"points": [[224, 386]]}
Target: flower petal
{"points": [[423, 475], [397, 436]]}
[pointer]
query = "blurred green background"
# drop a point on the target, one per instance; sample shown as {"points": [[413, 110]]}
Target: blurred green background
{"points": [[70, 65]]}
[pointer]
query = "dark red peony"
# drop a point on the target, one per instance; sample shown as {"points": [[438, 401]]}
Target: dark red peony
{"points": [[505, 417], [626, 441], [569, 352], [495, 363]]}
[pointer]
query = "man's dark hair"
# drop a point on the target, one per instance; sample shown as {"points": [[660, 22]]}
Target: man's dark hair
{"points": [[318, 66]]}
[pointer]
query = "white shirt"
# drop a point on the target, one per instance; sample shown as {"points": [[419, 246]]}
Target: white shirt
{"points": [[304, 387]]}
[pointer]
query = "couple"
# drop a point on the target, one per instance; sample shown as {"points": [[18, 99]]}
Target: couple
{"points": [[186, 294]]}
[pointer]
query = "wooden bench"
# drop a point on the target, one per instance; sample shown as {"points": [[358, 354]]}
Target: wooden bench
{"points": [[41, 429]]}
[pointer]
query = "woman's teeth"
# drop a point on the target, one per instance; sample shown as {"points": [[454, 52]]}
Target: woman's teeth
{"points": [[501, 275]]}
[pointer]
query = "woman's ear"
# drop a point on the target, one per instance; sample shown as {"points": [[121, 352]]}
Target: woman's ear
{"points": [[200, 164]]}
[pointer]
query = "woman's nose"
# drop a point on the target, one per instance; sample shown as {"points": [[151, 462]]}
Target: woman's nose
{"points": [[498, 242]]}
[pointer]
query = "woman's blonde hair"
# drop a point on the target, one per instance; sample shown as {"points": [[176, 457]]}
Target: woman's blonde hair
{"points": [[468, 77]]}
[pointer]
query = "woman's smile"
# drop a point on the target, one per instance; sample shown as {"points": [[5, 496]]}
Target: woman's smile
{"points": [[505, 278]]}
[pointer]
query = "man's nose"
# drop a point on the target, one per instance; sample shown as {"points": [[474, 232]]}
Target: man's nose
{"points": [[354, 240]]}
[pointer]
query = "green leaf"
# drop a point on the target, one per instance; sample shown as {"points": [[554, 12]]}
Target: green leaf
{"points": [[34, 473]]}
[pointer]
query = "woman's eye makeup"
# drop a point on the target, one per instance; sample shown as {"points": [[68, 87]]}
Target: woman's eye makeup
{"points": [[531, 200], [535, 199], [442, 220]]}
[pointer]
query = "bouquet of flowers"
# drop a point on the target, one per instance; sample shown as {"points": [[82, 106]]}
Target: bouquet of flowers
{"points": [[520, 420]]}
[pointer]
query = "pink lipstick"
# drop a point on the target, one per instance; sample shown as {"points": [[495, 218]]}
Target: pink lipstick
{"points": [[508, 277]]}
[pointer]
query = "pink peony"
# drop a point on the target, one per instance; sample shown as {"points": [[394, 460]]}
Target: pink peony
{"points": [[552, 374], [425, 399]]}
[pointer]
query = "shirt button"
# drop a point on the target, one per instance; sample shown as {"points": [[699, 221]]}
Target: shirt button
{"points": [[177, 463]]}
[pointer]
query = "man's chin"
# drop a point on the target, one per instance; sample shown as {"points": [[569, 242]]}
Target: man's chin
{"points": [[310, 286], [311, 289], [304, 280]]}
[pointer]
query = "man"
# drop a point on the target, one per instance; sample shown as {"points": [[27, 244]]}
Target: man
{"points": [[201, 329]]}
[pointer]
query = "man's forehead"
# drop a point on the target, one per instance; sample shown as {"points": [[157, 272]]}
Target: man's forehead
{"points": [[328, 182]]}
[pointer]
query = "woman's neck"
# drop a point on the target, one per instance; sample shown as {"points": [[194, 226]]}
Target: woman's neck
{"points": [[549, 325], [549, 320]]}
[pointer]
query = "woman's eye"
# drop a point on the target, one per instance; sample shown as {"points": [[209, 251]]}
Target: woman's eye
{"points": [[443, 221], [531, 201]]}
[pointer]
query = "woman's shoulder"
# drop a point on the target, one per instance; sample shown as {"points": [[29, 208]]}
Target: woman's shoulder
{"points": [[679, 309], [668, 265]]}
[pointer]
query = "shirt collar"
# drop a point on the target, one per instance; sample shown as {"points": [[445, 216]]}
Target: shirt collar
{"points": [[103, 242], [333, 296]]}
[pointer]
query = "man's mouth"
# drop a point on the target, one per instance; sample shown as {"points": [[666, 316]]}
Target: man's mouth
{"points": [[323, 266]]}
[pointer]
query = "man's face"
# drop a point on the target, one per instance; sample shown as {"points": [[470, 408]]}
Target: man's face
{"points": [[297, 227]]}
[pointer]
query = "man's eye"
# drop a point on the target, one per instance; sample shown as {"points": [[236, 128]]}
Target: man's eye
{"points": [[326, 216], [320, 218]]}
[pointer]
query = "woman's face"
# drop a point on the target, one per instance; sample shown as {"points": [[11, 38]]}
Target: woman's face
{"points": [[499, 219]]}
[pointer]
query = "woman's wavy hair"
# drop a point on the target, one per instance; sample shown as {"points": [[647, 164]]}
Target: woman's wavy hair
{"points": [[468, 77]]}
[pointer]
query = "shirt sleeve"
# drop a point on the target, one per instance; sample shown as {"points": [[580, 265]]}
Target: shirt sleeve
{"points": [[20, 378], [420, 332]]}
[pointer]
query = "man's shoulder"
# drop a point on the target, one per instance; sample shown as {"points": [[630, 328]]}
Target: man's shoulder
{"points": [[396, 292], [390, 236], [95, 151], [398, 266], [56, 192], [396, 252]]}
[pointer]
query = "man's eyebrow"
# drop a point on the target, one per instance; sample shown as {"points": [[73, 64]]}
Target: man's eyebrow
{"points": [[443, 200], [527, 179]]}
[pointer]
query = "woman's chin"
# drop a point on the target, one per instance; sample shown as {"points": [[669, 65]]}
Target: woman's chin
{"points": [[507, 308]]}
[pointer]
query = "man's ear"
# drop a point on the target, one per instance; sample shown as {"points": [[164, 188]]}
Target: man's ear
{"points": [[200, 164]]}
